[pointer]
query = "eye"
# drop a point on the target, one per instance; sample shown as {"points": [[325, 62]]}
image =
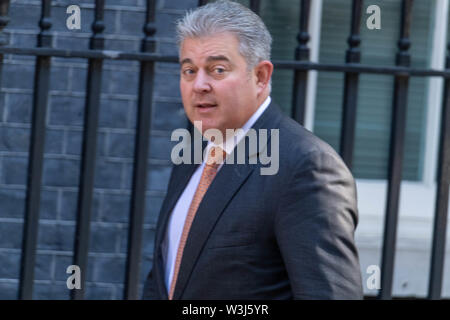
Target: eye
{"points": [[219, 70], [188, 72]]}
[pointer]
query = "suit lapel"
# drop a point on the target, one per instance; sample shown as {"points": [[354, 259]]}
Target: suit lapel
{"points": [[223, 188], [181, 175], [220, 192]]}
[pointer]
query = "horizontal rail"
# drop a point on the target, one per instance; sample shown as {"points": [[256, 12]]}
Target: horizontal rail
{"points": [[88, 54], [284, 64], [361, 68]]}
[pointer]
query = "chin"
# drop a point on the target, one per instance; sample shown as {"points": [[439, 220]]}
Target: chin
{"points": [[206, 123]]}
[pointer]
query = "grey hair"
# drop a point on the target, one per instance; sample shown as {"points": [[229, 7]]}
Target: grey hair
{"points": [[255, 40]]}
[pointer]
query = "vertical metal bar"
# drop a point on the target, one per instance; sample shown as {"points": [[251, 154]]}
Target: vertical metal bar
{"points": [[255, 6], [4, 20], [443, 179], [351, 87], [141, 153], [301, 54], [36, 154], [87, 174], [397, 139]]}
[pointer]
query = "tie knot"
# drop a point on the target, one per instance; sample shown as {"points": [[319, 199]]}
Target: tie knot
{"points": [[216, 156]]}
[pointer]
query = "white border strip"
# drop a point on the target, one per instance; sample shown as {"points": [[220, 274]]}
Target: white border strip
{"points": [[314, 28], [435, 92]]}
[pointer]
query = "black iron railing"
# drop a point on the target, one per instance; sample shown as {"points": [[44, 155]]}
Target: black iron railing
{"points": [[36, 155], [352, 68], [92, 105]]}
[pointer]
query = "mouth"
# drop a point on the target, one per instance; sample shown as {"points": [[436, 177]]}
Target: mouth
{"points": [[205, 106]]}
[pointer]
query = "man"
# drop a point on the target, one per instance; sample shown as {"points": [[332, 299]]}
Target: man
{"points": [[225, 230]]}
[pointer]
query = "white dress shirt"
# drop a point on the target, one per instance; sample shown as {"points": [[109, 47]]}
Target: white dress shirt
{"points": [[180, 211]]}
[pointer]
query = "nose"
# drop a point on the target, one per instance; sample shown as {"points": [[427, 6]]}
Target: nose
{"points": [[202, 82]]}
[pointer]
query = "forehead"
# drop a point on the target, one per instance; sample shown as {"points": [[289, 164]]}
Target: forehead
{"points": [[201, 48]]}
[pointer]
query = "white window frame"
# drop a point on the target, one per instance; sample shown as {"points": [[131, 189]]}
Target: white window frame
{"points": [[415, 216]]}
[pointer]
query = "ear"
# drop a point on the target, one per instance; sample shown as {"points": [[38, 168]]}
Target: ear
{"points": [[263, 73]]}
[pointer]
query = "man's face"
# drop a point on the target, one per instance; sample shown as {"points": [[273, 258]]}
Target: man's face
{"points": [[216, 86]]}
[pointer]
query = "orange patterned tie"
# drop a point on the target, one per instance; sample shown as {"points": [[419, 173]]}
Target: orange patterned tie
{"points": [[215, 158]]}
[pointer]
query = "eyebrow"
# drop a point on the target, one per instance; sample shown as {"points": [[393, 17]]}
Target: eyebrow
{"points": [[187, 60], [217, 58], [209, 59]]}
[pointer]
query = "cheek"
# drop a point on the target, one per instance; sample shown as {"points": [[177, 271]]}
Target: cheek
{"points": [[236, 96], [232, 91]]}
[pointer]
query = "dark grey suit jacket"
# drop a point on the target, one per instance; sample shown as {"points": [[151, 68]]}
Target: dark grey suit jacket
{"points": [[283, 236]]}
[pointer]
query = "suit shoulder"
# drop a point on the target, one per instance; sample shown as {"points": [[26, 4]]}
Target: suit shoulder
{"points": [[298, 141], [300, 150]]}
